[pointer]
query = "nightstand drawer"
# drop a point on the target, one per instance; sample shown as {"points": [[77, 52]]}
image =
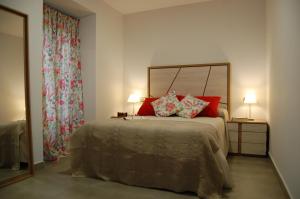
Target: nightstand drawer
{"points": [[262, 128], [233, 136], [233, 147], [233, 126], [255, 149], [251, 137]]}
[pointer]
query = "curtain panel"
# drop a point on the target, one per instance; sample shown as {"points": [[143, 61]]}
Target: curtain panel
{"points": [[63, 110]]}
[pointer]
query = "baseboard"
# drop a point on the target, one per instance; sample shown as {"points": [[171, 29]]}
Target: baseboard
{"points": [[281, 179], [39, 165]]}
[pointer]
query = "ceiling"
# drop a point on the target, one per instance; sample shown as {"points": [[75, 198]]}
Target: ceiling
{"points": [[133, 6], [69, 7], [11, 24]]}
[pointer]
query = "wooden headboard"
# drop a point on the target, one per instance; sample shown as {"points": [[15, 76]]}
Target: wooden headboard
{"points": [[197, 80]]}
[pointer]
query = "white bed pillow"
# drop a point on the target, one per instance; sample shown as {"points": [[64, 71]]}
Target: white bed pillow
{"points": [[167, 105], [191, 106]]}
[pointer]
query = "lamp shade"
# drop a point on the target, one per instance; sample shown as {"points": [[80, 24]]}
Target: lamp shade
{"points": [[133, 98], [250, 98]]}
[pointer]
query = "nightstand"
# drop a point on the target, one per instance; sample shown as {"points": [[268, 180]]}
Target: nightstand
{"points": [[248, 137]]}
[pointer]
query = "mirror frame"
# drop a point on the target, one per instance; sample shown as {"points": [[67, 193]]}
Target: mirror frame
{"points": [[27, 100]]}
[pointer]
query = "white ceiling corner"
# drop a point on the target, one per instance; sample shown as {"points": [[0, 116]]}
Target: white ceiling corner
{"points": [[69, 7], [133, 6]]}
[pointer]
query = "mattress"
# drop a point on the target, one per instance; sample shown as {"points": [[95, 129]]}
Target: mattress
{"points": [[219, 123], [170, 153]]}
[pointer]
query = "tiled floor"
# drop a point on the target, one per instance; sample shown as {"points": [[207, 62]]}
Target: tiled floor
{"points": [[8, 173], [254, 178]]}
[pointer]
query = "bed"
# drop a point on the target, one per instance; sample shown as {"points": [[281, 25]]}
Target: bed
{"points": [[13, 144], [170, 153]]}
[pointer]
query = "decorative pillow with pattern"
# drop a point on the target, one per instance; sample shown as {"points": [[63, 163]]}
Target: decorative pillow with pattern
{"points": [[191, 106], [166, 105]]}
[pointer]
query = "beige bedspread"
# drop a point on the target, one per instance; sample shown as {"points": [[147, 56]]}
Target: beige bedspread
{"points": [[12, 144], [174, 155]]}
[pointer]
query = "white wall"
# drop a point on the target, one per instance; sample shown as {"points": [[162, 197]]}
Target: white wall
{"points": [[109, 58], [215, 31], [87, 32], [283, 59], [12, 100], [34, 9]]}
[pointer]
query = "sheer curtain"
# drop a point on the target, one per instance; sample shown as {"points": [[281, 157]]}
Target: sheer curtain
{"points": [[62, 82]]}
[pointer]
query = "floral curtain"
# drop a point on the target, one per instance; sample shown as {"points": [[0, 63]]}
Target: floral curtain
{"points": [[62, 82]]}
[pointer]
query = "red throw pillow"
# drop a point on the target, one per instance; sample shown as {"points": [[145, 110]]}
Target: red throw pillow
{"points": [[212, 109], [180, 97], [147, 109]]}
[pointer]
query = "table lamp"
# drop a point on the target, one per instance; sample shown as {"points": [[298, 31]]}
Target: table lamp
{"points": [[250, 98], [133, 98]]}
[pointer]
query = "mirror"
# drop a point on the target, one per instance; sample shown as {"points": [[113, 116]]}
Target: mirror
{"points": [[15, 131]]}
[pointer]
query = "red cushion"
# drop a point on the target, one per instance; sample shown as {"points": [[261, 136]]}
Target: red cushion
{"points": [[180, 97], [212, 109], [147, 110]]}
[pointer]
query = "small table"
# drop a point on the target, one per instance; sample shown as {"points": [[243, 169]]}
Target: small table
{"points": [[248, 137]]}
